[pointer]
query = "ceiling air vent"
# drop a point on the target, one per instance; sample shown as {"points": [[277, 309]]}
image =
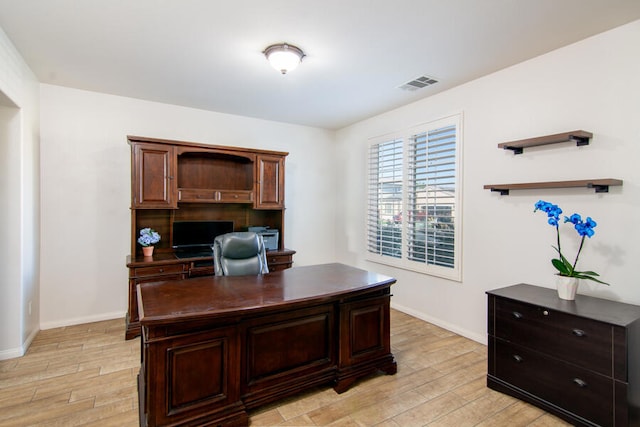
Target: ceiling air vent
{"points": [[419, 83]]}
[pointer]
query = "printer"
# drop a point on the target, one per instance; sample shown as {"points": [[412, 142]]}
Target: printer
{"points": [[269, 236]]}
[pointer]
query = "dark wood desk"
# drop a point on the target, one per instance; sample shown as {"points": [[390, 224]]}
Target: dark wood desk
{"points": [[230, 344]]}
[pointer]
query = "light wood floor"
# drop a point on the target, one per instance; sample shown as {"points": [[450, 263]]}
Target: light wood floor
{"points": [[85, 375]]}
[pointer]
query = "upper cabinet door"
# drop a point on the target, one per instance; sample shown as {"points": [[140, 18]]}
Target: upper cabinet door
{"points": [[153, 176], [270, 185]]}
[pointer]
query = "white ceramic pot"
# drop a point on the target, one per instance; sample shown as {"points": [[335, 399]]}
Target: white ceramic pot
{"points": [[567, 287]]}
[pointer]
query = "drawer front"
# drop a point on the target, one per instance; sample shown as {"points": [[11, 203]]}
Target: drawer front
{"points": [[196, 195], [158, 270], [278, 267], [279, 259], [574, 389], [229, 196], [583, 342]]}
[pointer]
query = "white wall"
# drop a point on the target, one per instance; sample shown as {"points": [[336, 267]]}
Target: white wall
{"points": [[86, 190], [591, 85], [19, 194]]}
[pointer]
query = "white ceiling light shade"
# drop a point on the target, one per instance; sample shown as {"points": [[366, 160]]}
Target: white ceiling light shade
{"points": [[284, 57]]}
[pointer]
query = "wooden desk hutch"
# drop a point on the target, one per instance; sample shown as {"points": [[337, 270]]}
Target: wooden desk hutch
{"points": [[185, 181]]}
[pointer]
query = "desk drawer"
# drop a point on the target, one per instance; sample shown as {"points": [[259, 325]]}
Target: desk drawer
{"points": [[214, 196], [197, 195], [158, 270], [577, 390], [235, 196], [278, 262], [279, 259], [278, 267], [581, 341]]}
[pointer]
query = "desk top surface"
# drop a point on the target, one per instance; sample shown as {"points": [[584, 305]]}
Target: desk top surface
{"points": [[211, 296]]}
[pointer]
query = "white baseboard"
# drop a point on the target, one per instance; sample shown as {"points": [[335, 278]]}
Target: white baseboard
{"points": [[29, 340], [81, 320], [482, 339], [19, 351], [11, 353]]}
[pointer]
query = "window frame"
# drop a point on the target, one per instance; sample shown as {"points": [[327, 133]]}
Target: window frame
{"points": [[407, 136]]}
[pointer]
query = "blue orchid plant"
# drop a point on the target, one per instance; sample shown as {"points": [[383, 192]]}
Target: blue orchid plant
{"points": [[583, 228], [148, 237]]}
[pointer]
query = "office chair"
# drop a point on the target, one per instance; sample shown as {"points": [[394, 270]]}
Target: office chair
{"points": [[239, 254]]}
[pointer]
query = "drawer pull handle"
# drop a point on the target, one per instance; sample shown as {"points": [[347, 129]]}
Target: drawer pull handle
{"points": [[161, 270], [579, 333], [517, 315], [545, 312], [580, 383], [517, 358]]}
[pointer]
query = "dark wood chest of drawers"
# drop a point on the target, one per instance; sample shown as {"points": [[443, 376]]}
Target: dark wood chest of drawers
{"points": [[579, 360]]}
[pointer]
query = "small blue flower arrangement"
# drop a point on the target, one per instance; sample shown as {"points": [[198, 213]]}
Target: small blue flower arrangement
{"points": [[148, 237], [583, 228]]}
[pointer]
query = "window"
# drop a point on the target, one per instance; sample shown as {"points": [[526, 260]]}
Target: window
{"points": [[413, 212]]}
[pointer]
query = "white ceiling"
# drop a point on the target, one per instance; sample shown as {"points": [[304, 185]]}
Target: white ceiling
{"points": [[207, 54]]}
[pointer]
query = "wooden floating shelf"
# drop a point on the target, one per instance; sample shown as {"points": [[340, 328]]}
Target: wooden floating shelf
{"points": [[581, 137], [600, 185]]}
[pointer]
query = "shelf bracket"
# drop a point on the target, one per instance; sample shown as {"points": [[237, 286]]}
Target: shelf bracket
{"points": [[580, 140], [517, 150], [502, 191], [600, 188]]}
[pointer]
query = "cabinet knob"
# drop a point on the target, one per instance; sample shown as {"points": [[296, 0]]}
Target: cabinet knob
{"points": [[545, 312], [579, 333], [161, 270], [580, 383], [517, 358], [517, 315]]}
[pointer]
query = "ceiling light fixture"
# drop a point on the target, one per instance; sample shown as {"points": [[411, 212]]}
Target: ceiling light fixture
{"points": [[284, 57]]}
